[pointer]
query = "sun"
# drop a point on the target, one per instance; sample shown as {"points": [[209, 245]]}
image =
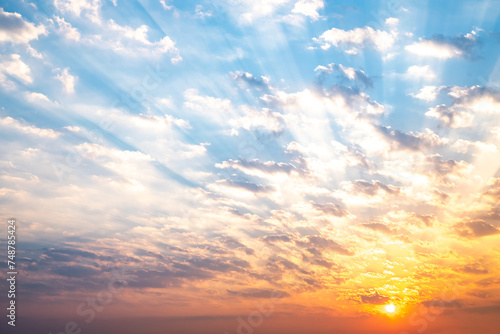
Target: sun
{"points": [[390, 308]]}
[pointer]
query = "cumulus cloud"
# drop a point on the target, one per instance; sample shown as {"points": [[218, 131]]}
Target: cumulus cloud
{"points": [[67, 30], [13, 66], [321, 243], [14, 29], [165, 6], [308, 8], [356, 39], [259, 168], [374, 298], [265, 119], [37, 98], [76, 7], [345, 73], [67, 80], [13, 124], [443, 47], [399, 140], [476, 229], [136, 42], [392, 21], [468, 104], [428, 93], [200, 13], [331, 209], [250, 10], [423, 72], [452, 116], [371, 189], [260, 83]]}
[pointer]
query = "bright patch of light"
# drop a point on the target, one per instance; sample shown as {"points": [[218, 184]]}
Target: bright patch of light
{"points": [[390, 308]]}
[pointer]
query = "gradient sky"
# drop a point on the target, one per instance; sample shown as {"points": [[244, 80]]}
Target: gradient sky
{"points": [[339, 155]]}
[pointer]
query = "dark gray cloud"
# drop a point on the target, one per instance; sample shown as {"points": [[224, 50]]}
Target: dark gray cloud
{"points": [[372, 188], [377, 227], [274, 238], [484, 309], [474, 268], [463, 110], [232, 243], [259, 83], [343, 75], [260, 293], [318, 243], [16, 30], [407, 141], [331, 209], [375, 298], [461, 45], [437, 303], [476, 229], [75, 271], [487, 282]]}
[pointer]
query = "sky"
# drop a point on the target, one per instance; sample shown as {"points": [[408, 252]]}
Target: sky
{"points": [[251, 166]]}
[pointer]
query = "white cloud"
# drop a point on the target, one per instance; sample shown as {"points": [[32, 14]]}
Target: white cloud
{"points": [[257, 119], [254, 9], [67, 30], [165, 6], [35, 97], [423, 72], [308, 8], [445, 47], [468, 104], [392, 21], [34, 53], [77, 7], [428, 48], [356, 39], [14, 66], [67, 80], [345, 72], [16, 30], [454, 116], [428, 93], [135, 42], [11, 123], [200, 13], [206, 104]]}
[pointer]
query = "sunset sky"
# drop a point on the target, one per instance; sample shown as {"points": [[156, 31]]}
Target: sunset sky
{"points": [[252, 166]]}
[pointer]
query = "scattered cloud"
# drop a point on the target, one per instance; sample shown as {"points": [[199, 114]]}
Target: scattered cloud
{"points": [[443, 47], [90, 8], [135, 42], [428, 93], [355, 40], [476, 229], [345, 73], [10, 123], [13, 66], [423, 72], [14, 29], [468, 104], [67, 80], [374, 298], [308, 8], [67, 30]]}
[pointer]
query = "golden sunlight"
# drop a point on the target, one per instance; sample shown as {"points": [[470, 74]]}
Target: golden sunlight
{"points": [[390, 308]]}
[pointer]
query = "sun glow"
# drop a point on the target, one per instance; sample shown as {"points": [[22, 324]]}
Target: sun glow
{"points": [[390, 308]]}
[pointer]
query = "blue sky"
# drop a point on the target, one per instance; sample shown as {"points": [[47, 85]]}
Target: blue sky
{"points": [[235, 145]]}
